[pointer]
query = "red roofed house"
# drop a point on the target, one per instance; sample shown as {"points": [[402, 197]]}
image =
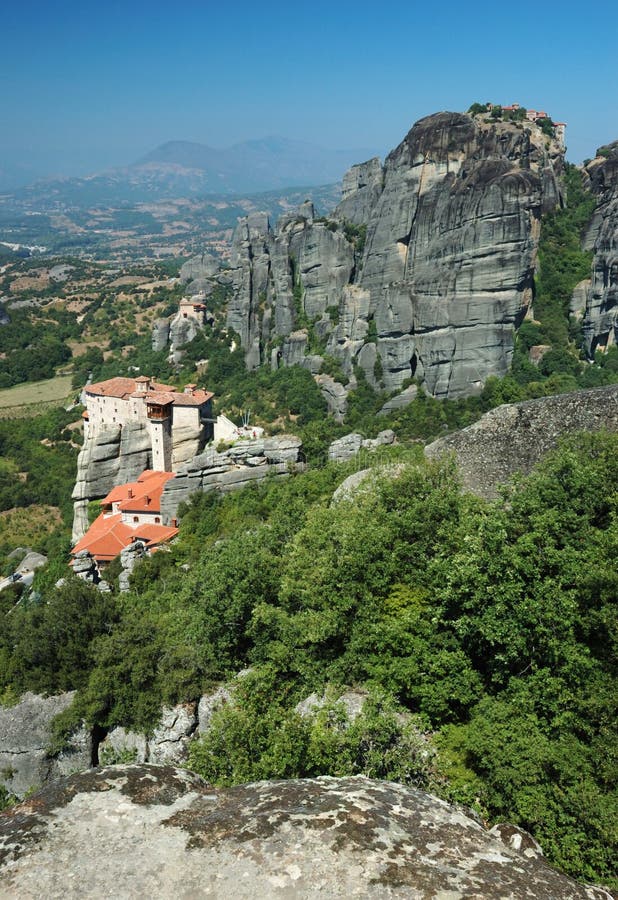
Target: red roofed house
{"points": [[119, 401], [130, 512]]}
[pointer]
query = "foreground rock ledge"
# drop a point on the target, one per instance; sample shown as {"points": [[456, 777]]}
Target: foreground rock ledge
{"points": [[150, 831]]}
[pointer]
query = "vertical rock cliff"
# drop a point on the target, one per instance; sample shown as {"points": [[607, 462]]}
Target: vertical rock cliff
{"points": [[600, 320], [442, 280]]}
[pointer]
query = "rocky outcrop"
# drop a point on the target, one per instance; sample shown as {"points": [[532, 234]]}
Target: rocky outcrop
{"points": [[513, 438], [203, 266], [167, 745], [348, 446], [25, 738], [600, 322], [335, 394], [246, 462], [446, 272], [399, 401], [117, 454], [321, 837]]}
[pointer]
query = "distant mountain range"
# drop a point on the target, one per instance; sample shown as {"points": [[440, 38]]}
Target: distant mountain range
{"points": [[186, 169]]}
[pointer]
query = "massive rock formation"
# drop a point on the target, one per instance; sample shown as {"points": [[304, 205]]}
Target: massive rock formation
{"points": [[162, 832], [444, 276], [601, 293], [514, 437]]}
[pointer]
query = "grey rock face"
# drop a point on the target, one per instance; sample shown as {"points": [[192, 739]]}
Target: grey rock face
{"points": [[514, 437], [209, 704], [451, 249], [85, 567], [245, 462], [203, 266], [345, 448], [361, 188], [601, 312], [182, 331], [322, 837], [160, 334], [352, 703], [171, 737], [25, 735], [579, 298], [446, 275], [129, 557], [120, 744], [335, 394], [399, 401]]}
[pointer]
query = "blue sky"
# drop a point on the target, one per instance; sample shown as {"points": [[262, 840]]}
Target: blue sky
{"points": [[89, 85]]}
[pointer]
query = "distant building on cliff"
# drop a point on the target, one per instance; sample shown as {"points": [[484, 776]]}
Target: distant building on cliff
{"points": [[165, 410]]}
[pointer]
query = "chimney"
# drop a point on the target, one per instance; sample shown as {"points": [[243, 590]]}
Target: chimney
{"points": [[147, 500], [189, 388], [130, 492]]}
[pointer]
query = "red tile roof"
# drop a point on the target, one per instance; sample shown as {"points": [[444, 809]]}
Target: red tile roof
{"points": [[108, 535], [123, 388], [132, 497], [197, 398]]}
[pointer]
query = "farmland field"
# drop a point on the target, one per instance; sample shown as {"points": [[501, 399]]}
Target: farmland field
{"points": [[32, 397]]}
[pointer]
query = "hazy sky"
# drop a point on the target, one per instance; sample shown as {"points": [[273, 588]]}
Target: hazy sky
{"points": [[90, 85]]}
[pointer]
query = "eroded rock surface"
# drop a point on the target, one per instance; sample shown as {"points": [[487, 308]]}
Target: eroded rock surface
{"points": [[162, 832], [601, 294], [514, 437]]}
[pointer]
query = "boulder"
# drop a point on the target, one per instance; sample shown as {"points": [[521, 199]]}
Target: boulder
{"points": [[161, 831], [514, 437]]}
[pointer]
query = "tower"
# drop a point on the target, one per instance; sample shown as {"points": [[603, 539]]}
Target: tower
{"points": [[159, 412]]}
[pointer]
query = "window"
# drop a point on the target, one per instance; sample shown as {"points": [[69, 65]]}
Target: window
{"points": [[157, 520], [136, 518]]}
